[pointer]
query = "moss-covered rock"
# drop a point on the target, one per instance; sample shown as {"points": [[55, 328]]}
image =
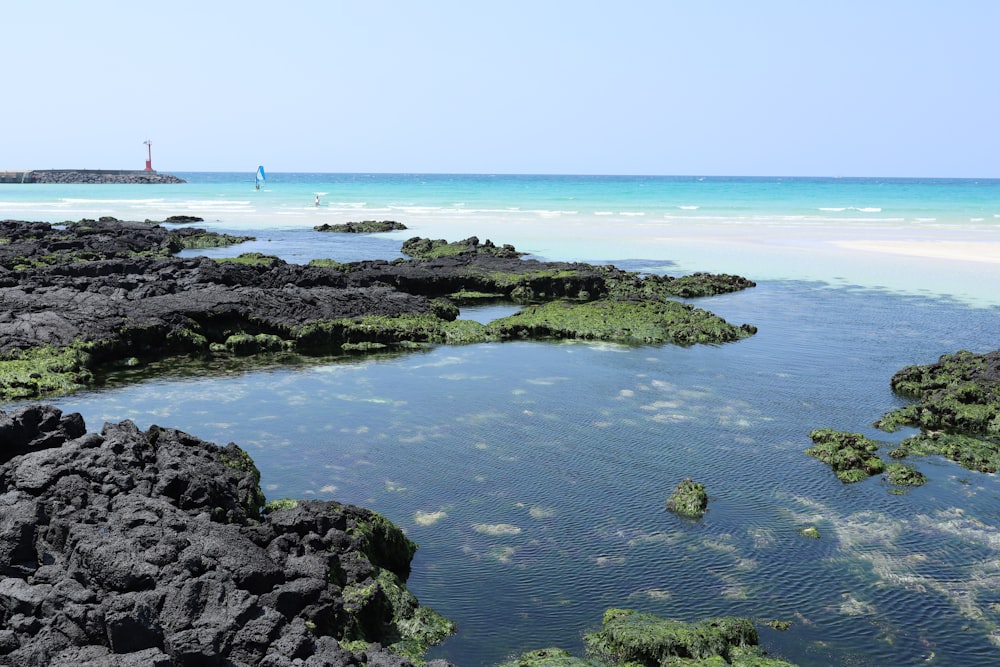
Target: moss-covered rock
{"points": [[688, 499], [430, 248], [249, 492], [549, 657], [902, 475], [626, 285], [852, 456], [960, 393], [280, 504], [643, 322], [631, 638], [45, 371], [330, 264], [245, 344], [253, 258], [362, 333], [363, 227], [376, 601], [208, 240], [956, 406], [972, 453]]}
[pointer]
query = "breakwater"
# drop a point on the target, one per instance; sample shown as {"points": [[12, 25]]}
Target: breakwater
{"points": [[118, 176]]}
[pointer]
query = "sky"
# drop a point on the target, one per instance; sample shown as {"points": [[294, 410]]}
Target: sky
{"points": [[671, 87]]}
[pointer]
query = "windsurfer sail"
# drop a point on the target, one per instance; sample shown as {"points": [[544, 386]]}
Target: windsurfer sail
{"points": [[260, 176]]}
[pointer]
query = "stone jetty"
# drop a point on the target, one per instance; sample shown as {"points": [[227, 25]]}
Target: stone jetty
{"points": [[88, 176]]}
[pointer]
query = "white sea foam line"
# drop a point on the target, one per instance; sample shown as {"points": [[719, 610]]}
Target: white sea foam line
{"points": [[213, 209], [28, 204], [74, 200], [415, 209], [863, 209]]}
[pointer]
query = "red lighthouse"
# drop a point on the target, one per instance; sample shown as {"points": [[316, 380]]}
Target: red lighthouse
{"points": [[149, 154]]}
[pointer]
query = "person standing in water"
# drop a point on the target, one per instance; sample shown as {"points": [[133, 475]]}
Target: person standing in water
{"points": [[317, 200]]}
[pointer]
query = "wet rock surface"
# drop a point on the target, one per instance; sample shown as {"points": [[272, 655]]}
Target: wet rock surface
{"points": [[130, 547]]}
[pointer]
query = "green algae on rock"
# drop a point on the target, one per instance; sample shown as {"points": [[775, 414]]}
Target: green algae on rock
{"points": [[632, 639], [643, 322], [424, 248], [625, 285], [902, 475], [960, 393], [628, 637], [254, 258], [688, 499], [549, 657], [382, 594], [44, 371], [363, 227], [957, 408], [852, 456], [980, 454], [209, 240]]}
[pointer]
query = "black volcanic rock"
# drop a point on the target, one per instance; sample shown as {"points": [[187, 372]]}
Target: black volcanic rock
{"points": [[135, 547]]}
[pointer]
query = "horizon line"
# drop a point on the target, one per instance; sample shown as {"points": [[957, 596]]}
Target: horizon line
{"points": [[589, 174]]}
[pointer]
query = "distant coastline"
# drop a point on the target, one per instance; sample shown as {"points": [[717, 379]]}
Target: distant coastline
{"points": [[98, 176]]}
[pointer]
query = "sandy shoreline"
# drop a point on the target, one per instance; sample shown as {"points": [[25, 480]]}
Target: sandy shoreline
{"points": [[965, 251]]}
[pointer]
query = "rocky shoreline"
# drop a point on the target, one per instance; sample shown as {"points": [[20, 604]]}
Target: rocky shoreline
{"points": [[79, 298], [154, 548]]}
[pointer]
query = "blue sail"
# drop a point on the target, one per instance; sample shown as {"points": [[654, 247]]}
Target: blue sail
{"points": [[260, 176]]}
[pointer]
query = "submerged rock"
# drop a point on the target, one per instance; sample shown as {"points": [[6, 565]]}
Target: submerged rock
{"points": [[688, 499], [631, 638], [133, 547], [852, 456]]}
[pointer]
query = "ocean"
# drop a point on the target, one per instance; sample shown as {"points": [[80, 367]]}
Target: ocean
{"points": [[534, 475]]}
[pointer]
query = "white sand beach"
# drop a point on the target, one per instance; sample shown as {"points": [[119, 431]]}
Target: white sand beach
{"points": [[964, 251]]}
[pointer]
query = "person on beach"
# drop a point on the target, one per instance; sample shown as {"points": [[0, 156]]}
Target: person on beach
{"points": [[317, 200]]}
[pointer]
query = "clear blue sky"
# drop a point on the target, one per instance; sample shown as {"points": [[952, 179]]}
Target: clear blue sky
{"points": [[708, 87]]}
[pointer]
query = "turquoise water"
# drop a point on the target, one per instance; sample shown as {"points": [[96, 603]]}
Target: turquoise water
{"points": [[534, 475], [231, 197]]}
